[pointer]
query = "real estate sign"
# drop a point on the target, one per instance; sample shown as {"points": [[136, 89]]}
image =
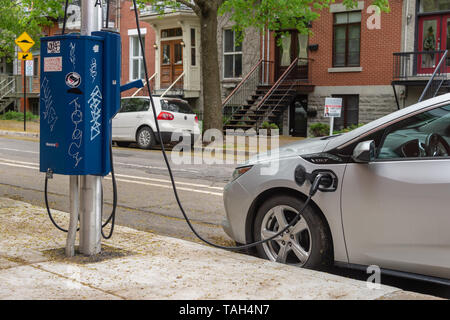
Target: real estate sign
{"points": [[333, 107]]}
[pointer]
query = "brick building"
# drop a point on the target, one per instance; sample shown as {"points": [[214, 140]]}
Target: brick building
{"points": [[373, 62]]}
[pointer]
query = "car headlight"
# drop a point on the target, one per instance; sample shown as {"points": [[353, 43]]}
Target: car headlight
{"points": [[240, 171]]}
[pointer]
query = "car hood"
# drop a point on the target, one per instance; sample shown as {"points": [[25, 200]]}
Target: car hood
{"points": [[298, 148]]}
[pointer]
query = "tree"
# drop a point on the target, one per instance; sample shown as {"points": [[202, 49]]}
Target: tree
{"points": [[260, 14], [17, 16]]}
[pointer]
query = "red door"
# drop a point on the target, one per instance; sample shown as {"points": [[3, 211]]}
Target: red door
{"points": [[429, 40], [445, 39]]}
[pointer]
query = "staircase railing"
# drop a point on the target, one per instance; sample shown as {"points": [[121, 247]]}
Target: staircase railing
{"points": [[8, 88], [145, 84], [284, 77], [238, 97], [437, 79], [173, 84]]}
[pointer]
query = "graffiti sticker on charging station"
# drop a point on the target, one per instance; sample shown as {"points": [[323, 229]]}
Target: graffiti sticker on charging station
{"points": [[53, 64]]}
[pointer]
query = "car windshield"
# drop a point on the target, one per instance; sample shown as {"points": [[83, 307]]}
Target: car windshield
{"points": [[176, 106]]}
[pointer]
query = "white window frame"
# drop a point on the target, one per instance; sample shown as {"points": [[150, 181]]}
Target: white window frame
{"points": [[132, 58], [234, 53]]}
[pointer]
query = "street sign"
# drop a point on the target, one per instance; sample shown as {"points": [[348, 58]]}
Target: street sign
{"points": [[25, 42], [333, 107], [25, 56], [29, 66]]}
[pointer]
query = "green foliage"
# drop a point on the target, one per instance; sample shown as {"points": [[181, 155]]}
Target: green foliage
{"points": [[281, 14], [17, 17], [348, 129], [323, 129], [18, 116], [267, 125], [319, 129]]}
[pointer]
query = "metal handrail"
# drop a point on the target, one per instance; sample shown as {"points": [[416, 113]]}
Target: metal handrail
{"points": [[244, 80], [173, 84], [145, 83], [277, 84], [444, 57], [276, 106], [6, 85]]}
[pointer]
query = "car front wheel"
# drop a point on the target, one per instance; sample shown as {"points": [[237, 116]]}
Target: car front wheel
{"points": [[306, 244]]}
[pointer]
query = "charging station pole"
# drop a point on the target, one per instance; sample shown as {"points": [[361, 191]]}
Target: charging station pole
{"points": [[90, 186]]}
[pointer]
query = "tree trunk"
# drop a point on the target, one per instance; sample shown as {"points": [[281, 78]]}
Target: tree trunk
{"points": [[212, 97]]}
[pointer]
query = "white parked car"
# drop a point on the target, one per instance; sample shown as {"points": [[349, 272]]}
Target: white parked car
{"points": [[135, 121]]}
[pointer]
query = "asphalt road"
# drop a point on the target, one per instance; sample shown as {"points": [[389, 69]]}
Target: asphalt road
{"points": [[145, 197]]}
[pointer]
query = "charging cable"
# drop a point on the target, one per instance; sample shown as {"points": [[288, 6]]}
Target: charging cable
{"points": [[315, 183]]}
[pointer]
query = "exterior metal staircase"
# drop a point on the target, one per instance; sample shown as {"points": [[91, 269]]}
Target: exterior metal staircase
{"points": [[254, 102], [7, 87]]}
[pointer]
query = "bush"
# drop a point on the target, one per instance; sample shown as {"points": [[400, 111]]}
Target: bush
{"points": [[322, 129], [348, 129], [319, 129], [18, 116], [266, 125]]}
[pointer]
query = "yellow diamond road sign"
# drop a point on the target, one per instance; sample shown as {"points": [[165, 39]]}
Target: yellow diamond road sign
{"points": [[25, 56], [25, 42]]}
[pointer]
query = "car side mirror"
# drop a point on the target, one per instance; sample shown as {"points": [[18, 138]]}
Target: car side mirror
{"points": [[364, 152]]}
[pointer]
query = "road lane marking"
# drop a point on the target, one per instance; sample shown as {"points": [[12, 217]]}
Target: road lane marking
{"points": [[26, 151], [168, 186], [168, 181], [151, 167], [124, 180]]}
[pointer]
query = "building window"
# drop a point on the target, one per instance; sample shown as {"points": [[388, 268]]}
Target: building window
{"points": [[136, 59], [347, 39], [349, 113], [171, 33], [36, 67], [434, 5], [232, 55], [193, 49]]}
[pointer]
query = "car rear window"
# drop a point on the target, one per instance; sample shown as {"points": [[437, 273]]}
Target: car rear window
{"points": [[176, 106], [134, 105]]}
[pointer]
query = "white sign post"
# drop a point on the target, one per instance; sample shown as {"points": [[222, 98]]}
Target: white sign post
{"points": [[333, 108], [29, 66]]}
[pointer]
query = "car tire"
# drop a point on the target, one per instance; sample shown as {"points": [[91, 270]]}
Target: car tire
{"points": [[122, 144], [145, 138], [307, 244]]}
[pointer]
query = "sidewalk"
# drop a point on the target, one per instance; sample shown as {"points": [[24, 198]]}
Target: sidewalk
{"points": [[141, 265]]}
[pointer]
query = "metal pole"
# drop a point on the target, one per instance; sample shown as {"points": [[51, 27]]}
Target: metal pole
{"points": [[74, 214], [90, 186], [24, 95]]}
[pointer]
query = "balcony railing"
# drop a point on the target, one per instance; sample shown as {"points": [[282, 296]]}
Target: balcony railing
{"points": [[419, 65]]}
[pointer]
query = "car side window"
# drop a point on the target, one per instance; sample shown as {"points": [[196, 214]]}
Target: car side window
{"points": [[134, 105], [424, 135], [176, 106]]}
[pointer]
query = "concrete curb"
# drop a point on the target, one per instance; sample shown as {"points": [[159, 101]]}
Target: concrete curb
{"points": [[19, 134], [141, 265]]}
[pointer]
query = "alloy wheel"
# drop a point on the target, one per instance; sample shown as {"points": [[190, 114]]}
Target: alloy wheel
{"points": [[293, 246]]}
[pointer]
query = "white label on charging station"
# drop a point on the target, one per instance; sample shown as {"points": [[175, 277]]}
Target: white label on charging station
{"points": [[53, 64]]}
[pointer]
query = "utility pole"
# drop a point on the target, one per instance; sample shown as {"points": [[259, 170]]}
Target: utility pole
{"points": [[90, 186]]}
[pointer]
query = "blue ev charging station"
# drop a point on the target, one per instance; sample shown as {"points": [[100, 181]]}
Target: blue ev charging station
{"points": [[80, 95]]}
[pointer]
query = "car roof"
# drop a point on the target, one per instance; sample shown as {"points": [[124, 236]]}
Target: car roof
{"points": [[354, 134]]}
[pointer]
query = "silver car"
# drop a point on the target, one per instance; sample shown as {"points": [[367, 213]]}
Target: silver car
{"points": [[385, 200]]}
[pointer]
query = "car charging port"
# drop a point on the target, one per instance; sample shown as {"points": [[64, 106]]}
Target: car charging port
{"points": [[328, 180]]}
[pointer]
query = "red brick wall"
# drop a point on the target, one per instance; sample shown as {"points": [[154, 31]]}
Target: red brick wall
{"points": [[377, 47], [127, 22]]}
